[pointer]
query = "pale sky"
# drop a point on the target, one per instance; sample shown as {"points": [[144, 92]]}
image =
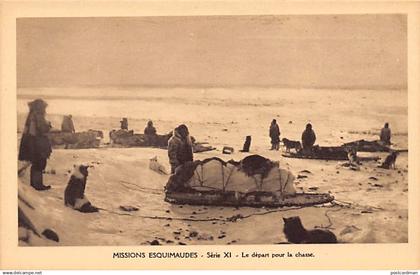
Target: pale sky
{"points": [[342, 51]]}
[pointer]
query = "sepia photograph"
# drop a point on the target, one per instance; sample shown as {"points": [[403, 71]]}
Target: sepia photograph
{"points": [[212, 130]]}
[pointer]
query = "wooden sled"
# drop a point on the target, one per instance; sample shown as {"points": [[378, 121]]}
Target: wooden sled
{"points": [[369, 158], [302, 156], [79, 140], [317, 157], [252, 199], [127, 139], [323, 153]]}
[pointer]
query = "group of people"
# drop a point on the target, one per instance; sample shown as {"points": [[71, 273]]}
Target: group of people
{"points": [[308, 137], [180, 145], [150, 133], [149, 130], [35, 146]]}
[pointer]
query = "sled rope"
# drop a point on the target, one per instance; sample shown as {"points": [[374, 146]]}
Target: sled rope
{"points": [[354, 205], [140, 188], [330, 223], [228, 177], [342, 205], [329, 226], [223, 177], [199, 220]]}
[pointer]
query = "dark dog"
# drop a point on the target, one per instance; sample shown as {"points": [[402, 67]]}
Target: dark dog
{"points": [[74, 194], [389, 161], [296, 233], [291, 144]]}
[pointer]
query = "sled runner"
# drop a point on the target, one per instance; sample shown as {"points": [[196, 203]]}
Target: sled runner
{"points": [[252, 199], [328, 153]]}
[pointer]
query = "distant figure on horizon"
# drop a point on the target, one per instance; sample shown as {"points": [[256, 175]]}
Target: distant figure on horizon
{"points": [[180, 148], [67, 124], [308, 139], [385, 136], [124, 123], [150, 133], [150, 129], [274, 135]]}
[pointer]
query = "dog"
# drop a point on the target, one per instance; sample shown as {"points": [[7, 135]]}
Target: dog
{"points": [[291, 144], [296, 233], [353, 158], [157, 167], [74, 194], [389, 161]]}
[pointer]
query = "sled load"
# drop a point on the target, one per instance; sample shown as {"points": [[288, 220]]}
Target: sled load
{"points": [[79, 140], [127, 138], [321, 152], [368, 146], [255, 181]]}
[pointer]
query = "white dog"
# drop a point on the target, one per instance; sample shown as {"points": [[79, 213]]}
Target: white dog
{"points": [[157, 167]]}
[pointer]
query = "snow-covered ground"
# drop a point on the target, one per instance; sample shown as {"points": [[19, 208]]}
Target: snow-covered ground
{"points": [[367, 210]]}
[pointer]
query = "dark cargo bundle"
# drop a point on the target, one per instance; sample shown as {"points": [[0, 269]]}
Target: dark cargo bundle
{"points": [[79, 140]]}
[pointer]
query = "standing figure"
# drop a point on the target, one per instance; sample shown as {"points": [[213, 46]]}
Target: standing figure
{"points": [[124, 123], [67, 124], [386, 134], [180, 147], [274, 135], [308, 139], [150, 133], [35, 146]]}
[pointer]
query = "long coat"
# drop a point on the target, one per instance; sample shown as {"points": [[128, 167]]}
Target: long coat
{"points": [[274, 133], [308, 138], [386, 135], [67, 125], [179, 150], [35, 144]]}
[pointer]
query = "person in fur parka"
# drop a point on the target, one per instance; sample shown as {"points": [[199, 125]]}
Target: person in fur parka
{"points": [[180, 147], [274, 135], [308, 139], [35, 146]]}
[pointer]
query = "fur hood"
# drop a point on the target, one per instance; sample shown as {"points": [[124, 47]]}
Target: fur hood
{"points": [[37, 106], [177, 136]]}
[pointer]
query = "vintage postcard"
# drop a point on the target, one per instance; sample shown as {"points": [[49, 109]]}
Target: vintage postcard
{"points": [[212, 135]]}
